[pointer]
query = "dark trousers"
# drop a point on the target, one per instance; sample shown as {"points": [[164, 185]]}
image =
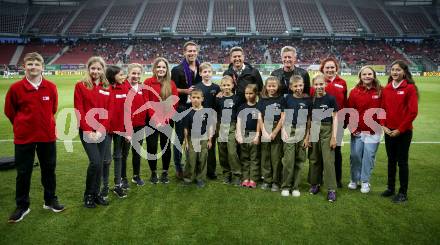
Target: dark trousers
{"points": [[96, 153], [338, 164], [120, 151], [178, 128], [397, 151], [135, 156], [24, 159], [152, 141]]}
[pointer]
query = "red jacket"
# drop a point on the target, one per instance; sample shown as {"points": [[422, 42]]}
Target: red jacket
{"points": [[31, 111], [118, 96], [137, 101], [160, 112], [363, 99], [400, 105], [86, 99]]}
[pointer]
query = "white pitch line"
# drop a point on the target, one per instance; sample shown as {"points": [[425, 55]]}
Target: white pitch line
{"points": [[343, 142]]}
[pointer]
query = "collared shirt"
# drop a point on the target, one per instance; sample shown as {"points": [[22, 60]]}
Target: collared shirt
{"points": [[240, 70], [35, 85]]}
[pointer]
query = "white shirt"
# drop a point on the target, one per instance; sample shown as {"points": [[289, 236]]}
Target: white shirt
{"points": [[35, 85], [396, 86], [135, 87]]}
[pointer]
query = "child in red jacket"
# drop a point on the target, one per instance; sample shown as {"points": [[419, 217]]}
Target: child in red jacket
{"points": [[161, 89], [93, 105], [365, 97], [30, 105], [400, 102]]}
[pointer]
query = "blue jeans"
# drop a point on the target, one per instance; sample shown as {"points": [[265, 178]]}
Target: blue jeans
{"points": [[362, 156]]}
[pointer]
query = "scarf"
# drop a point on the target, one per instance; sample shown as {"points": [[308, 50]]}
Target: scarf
{"points": [[188, 72]]}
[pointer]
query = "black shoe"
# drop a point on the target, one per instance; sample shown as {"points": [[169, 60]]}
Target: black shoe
{"points": [[200, 183], [387, 193], [164, 178], [54, 205], [104, 192], [119, 192], [18, 215], [153, 179], [100, 200], [339, 184], [399, 198], [211, 176], [89, 202], [124, 184], [137, 180]]}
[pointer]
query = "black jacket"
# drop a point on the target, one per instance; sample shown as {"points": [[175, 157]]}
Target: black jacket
{"points": [[179, 78], [284, 78], [249, 75]]}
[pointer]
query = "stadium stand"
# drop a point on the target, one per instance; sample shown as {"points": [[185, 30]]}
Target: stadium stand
{"points": [[411, 22], [193, 23], [375, 18], [303, 13], [8, 51], [269, 17], [341, 16], [12, 17], [87, 18], [47, 50], [231, 13], [121, 16], [52, 20], [153, 20]]}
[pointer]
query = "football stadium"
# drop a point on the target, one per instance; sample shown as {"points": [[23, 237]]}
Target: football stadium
{"points": [[103, 101]]}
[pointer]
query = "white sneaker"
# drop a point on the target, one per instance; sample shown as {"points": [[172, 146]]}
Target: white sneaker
{"points": [[365, 187], [352, 185], [285, 193], [296, 193]]}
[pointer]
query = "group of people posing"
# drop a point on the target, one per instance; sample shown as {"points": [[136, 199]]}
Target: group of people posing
{"points": [[264, 131]]}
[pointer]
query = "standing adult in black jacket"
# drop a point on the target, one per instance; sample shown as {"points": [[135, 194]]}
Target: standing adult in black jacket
{"points": [[288, 57], [242, 73], [185, 76]]}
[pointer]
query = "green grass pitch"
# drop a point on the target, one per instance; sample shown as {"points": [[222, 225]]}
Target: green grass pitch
{"points": [[220, 214]]}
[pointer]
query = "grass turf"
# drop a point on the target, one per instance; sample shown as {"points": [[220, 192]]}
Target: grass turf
{"points": [[221, 214]]}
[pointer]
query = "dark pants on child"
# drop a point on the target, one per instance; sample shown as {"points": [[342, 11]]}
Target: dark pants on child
{"points": [[135, 156], [338, 164], [96, 153], [397, 151], [24, 160], [152, 142], [212, 161]]}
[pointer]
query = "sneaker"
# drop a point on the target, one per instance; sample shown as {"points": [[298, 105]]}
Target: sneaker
{"points": [[227, 180], [186, 182], [314, 189], [124, 184], [89, 202], [200, 183], [119, 192], [104, 192], [339, 184], [285, 192], [275, 188], [18, 215], [212, 176], [365, 188], [164, 178], [296, 193], [245, 183], [252, 184], [137, 180], [265, 186], [331, 196], [352, 185], [100, 200], [179, 175], [400, 198], [153, 179], [54, 205], [387, 193]]}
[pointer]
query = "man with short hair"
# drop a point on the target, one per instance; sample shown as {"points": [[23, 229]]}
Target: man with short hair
{"points": [[30, 105], [288, 57], [242, 73], [185, 76]]}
